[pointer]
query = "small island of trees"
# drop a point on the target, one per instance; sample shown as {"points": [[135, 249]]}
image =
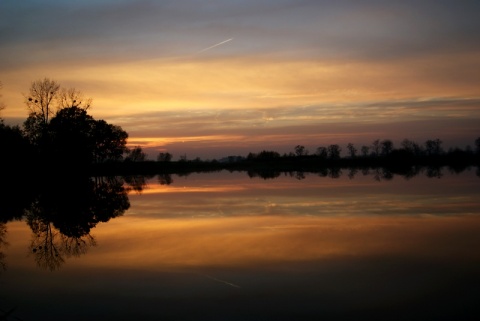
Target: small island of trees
{"points": [[60, 134]]}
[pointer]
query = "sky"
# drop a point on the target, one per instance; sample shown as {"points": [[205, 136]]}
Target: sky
{"points": [[215, 78]]}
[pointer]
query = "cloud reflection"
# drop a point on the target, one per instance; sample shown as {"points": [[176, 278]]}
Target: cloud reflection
{"points": [[257, 241]]}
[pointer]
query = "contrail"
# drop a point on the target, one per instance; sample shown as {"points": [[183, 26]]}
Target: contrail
{"points": [[218, 44], [221, 281]]}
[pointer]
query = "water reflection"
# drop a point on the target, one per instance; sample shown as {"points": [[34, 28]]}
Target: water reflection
{"points": [[50, 247], [3, 244], [63, 211], [343, 245], [378, 173]]}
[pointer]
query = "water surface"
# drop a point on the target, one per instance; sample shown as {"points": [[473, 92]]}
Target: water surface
{"points": [[224, 246]]}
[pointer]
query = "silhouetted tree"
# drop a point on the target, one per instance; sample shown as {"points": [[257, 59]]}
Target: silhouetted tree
{"points": [[477, 145], [110, 142], [264, 155], [411, 147], [71, 97], [364, 150], [300, 150], [16, 150], [334, 151], [322, 152], [135, 155], [387, 147], [75, 137], [352, 151], [433, 147], [72, 136], [36, 131], [164, 157], [376, 148], [41, 98], [45, 97]]}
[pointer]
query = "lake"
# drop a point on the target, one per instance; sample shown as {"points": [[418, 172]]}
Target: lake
{"points": [[232, 246]]}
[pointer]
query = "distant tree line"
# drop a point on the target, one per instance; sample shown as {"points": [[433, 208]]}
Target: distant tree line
{"points": [[379, 153], [378, 150]]}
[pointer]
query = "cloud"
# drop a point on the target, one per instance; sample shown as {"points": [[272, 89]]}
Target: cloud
{"points": [[130, 30]]}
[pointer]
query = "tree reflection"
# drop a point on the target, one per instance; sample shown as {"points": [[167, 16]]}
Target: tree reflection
{"points": [[136, 182], [45, 246], [165, 179], [378, 173], [434, 172], [265, 173], [50, 247], [3, 243], [63, 214]]}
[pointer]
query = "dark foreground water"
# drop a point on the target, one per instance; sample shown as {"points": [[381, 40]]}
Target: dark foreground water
{"points": [[224, 246]]}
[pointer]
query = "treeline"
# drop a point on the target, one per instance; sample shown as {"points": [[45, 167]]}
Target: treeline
{"points": [[409, 159], [59, 134], [380, 152], [381, 159]]}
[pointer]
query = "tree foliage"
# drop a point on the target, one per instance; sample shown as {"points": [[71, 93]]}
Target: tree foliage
{"points": [[334, 151], [136, 154], [300, 150], [164, 157], [352, 151], [77, 137]]}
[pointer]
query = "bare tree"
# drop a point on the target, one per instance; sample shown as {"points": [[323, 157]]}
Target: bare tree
{"points": [[45, 97], [71, 97], [41, 98], [300, 150]]}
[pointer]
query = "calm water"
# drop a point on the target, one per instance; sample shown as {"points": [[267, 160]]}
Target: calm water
{"points": [[224, 246]]}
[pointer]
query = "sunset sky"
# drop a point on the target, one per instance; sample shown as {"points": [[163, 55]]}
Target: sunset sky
{"points": [[215, 78]]}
